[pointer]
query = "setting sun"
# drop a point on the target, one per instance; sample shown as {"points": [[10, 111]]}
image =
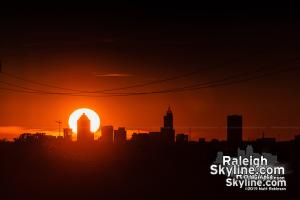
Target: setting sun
{"points": [[92, 115]]}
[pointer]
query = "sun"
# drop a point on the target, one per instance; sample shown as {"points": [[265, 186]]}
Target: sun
{"points": [[92, 115]]}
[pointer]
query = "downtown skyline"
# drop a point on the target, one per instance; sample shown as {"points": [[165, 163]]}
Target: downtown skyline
{"points": [[144, 101]]}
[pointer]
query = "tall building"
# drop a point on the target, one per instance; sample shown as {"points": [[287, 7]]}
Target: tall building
{"points": [[68, 134], [107, 134], [234, 130], [168, 119], [83, 129], [120, 135], [168, 133]]}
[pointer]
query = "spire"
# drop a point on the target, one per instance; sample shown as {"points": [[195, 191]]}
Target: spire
{"points": [[169, 109]]}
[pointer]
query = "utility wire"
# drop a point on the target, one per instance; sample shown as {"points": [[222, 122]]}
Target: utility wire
{"points": [[38, 83], [112, 89], [201, 83], [217, 83], [105, 90], [260, 76]]}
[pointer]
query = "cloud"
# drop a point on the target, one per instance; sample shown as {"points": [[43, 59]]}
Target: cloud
{"points": [[114, 75]]}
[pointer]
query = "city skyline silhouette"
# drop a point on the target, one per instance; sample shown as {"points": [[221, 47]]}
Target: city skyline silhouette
{"points": [[167, 134], [114, 167], [141, 101]]}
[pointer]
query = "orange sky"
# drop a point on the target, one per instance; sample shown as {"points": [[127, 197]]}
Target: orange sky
{"points": [[96, 51], [200, 109]]}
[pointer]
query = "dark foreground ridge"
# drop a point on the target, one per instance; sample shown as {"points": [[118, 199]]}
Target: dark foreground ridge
{"points": [[132, 170]]}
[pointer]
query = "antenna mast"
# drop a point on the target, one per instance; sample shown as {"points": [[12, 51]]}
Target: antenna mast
{"points": [[59, 124]]}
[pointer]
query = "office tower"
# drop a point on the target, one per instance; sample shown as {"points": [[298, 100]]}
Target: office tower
{"points": [[84, 133], [168, 119], [168, 133], [107, 134], [234, 130], [120, 135]]}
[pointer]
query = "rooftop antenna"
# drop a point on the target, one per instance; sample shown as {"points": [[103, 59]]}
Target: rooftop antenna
{"points": [[59, 124]]}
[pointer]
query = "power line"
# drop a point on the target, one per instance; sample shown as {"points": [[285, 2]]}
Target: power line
{"points": [[204, 86], [104, 90], [38, 83], [127, 87], [18, 86], [211, 85], [97, 91], [112, 89], [237, 78], [201, 83], [217, 83]]}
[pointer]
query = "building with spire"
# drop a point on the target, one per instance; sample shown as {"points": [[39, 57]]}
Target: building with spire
{"points": [[84, 133], [167, 131], [168, 118]]}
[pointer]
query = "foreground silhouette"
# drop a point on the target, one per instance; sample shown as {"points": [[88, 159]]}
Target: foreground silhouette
{"points": [[60, 169]]}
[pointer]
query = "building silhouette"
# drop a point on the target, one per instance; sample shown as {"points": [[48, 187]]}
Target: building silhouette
{"points": [[68, 134], [155, 136], [168, 119], [107, 134], [297, 139], [36, 138], [234, 130], [182, 138], [140, 138], [83, 129], [266, 140], [167, 132], [201, 141], [120, 135]]}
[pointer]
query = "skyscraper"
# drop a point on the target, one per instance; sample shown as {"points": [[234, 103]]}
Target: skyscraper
{"points": [[107, 134], [83, 129], [120, 135], [168, 133], [234, 130], [168, 119]]}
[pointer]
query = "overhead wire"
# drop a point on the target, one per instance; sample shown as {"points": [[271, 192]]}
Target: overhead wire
{"points": [[233, 79]]}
